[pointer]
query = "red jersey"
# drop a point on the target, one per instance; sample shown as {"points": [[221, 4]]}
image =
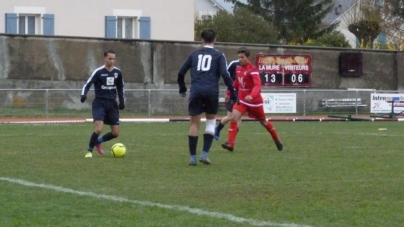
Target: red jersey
{"points": [[248, 82]]}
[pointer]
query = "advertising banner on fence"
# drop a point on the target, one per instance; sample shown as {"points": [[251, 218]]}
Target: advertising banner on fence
{"points": [[279, 102], [381, 103]]}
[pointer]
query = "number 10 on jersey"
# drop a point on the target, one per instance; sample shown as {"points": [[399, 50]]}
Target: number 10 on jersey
{"points": [[284, 70]]}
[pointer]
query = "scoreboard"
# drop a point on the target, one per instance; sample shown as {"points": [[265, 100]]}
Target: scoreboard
{"points": [[284, 70]]}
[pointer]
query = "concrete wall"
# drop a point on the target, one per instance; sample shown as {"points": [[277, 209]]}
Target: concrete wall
{"points": [[66, 62]]}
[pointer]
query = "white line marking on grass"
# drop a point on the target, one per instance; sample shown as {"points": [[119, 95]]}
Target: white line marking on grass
{"points": [[196, 211], [47, 122]]}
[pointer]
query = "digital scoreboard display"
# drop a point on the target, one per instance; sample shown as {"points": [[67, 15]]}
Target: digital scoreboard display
{"points": [[284, 70]]}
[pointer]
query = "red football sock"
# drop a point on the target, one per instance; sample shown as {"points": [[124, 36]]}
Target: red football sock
{"points": [[232, 132], [271, 129]]}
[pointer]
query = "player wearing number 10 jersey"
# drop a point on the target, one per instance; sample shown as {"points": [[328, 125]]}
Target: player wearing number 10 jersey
{"points": [[248, 84], [207, 65]]}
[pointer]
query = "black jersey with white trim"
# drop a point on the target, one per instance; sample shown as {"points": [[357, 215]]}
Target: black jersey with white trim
{"points": [[106, 84]]}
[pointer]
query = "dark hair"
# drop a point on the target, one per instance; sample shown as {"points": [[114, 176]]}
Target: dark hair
{"points": [[208, 35], [243, 50], [108, 51]]}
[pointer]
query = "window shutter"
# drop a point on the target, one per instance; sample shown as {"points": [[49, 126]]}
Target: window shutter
{"points": [[144, 24], [110, 26], [49, 24], [382, 38], [11, 23]]}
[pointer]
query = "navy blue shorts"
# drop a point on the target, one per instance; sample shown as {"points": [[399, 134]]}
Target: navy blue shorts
{"points": [[106, 110], [229, 106], [208, 104]]}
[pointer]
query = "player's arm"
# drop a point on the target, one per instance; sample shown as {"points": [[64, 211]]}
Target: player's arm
{"points": [[226, 77], [87, 86], [225, 74], [232, 69], [236, 85], [256, 90], [181, 75], [121, 90]]}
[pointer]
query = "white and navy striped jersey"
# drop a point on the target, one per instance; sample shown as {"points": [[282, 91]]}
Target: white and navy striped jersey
{"points": [[106, 84]]}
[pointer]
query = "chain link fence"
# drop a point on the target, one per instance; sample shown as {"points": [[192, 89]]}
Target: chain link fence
{"points": [[49, 103]]}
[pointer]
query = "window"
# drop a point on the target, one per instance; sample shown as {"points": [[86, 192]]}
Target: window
{"points": [[205, 17], [28, 24], [30, 21], [127, 27]]}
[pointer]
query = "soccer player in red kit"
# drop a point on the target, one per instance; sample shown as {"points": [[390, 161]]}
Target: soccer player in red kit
{"points": [[248, 84]]}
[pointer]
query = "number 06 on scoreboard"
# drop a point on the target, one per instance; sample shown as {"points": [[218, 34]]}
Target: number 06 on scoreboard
{"points": [[284, 70]]}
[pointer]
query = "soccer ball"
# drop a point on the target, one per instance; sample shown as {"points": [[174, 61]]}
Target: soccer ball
{"points": [[118, 150]]}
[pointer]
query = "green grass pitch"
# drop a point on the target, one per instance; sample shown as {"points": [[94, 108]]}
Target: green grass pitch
{"points": [[330, 174]]}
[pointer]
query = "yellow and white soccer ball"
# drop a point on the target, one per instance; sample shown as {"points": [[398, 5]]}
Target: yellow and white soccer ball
{"points": [[118, 150]]}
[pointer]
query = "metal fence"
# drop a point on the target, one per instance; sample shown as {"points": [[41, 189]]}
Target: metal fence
{"points": [[159, 102]]}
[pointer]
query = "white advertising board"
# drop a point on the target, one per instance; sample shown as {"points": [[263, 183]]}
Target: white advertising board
{"points": [[381, 103], [279, 102]]}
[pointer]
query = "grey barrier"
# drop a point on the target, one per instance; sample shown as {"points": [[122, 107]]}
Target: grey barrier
{"points": [[46, 103]]}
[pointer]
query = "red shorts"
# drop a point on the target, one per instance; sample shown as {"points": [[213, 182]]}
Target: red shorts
{"points": [[253, 112]]}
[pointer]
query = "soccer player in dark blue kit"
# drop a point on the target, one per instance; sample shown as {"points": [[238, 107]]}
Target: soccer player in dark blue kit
{"points": [[107, 81], [207, 65], [228, 103]]}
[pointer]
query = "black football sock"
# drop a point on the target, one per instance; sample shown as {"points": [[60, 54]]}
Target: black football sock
{"points": [[192, 142], [220, 126], [108, 136], [207, 142], [93, 140]]}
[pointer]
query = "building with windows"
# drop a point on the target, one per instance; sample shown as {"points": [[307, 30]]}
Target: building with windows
{"points": [[142, 19], [345, 12]]}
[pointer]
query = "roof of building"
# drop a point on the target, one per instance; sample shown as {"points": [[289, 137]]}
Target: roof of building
{"points": [[226, 5]]}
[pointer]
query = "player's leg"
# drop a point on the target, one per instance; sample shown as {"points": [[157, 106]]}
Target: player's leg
{"points": [[238, 111], [227, 120], [211, 106], [195, 121], [239, 123], [224, 120], [260, 115], [195, 109], [98, 117], [208, 138], [93, 138], [112, 119]]}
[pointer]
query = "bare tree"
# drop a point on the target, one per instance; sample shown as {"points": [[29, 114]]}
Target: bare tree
{"points": [[393, 23], [366, 19]]}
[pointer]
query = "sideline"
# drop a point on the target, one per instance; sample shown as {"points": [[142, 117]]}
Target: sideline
{"points": [[196, 211], [186, 119]]}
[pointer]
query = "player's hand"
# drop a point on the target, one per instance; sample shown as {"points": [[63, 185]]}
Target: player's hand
{"points": [[183, 90], [83, 98], [233, 96], [226, 99], [121, 106], [248, 98]]}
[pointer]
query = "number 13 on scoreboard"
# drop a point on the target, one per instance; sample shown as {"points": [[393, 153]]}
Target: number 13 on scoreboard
{"points": [[284, 70]]}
